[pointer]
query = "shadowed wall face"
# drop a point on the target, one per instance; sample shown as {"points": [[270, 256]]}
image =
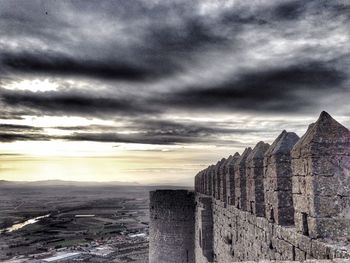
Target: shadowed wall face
{"points": [[255, 174], [204, 246], [278, 180], [223, 174], [172, 226], [230, 180], [241, 180]]}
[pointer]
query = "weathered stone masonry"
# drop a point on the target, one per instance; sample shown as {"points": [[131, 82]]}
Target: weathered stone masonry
{"points": [[255, 176], [172, 226], [230, 180], [289, 201], [241, 180], [278, 180], [321, 179]]}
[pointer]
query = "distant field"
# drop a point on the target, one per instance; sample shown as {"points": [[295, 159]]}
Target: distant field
{"points": [[22, 202], [115, 211], [82, 219]]}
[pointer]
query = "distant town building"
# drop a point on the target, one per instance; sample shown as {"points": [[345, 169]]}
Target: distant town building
{"points": [[62, 257]]}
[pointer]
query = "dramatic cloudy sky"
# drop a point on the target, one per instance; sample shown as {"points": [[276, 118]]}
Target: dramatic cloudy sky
{"points": [[154, 90]]}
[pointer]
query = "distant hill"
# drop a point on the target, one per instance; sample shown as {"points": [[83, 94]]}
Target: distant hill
{"points": [[65, 183]]}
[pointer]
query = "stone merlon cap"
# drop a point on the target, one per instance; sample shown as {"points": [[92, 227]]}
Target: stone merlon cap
{"points": [[283, 144], [219, 163], [234, 159], [244, 155], [228, 160], [222, 164], [211, 168], [259, 151], [324, 130]]}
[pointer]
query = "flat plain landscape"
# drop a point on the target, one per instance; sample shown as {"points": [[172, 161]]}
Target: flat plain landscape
{"points": [[89, 223]]}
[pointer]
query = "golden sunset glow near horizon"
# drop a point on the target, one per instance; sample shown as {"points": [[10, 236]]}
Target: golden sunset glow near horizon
{"points": [[154, 91]]}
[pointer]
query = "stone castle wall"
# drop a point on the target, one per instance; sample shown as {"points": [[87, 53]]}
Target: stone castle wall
{"points": [[241, 236], [287, 201], [172, 226]]}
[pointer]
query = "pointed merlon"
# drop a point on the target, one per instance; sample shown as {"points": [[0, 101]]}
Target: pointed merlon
{"points": [[324, 130], [218, 165], [222, 164], [234, 159], [228, 160], [244, 155], [321, 136], [259, 151], [328, 127], [283, 144]]}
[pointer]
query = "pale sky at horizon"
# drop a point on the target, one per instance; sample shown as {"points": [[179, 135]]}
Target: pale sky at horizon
{"points": [[154, 91]]}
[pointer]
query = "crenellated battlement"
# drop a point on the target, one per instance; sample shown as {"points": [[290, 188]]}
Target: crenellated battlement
{"points": [[301, 185], [286, 201], [307, 177]]}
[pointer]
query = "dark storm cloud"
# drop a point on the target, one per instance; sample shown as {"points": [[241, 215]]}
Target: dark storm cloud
{"points": [[71, 103], [290, 10], [13, 132], [283, 89], [12, 114], [152, 138], [60, 64], [154, 55], [153, 132], [158, 58], [160, 39], [153, 127], [12, 137], [148, 139], [286, 89], [89, 128], [132, 138], [18, 128], [142, 132]]}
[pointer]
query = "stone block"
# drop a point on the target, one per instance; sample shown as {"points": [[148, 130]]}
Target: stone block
{"points": [[301, 204], [285, 199], [299, 255], [298, 184], [329, 227], [304, 243], [320, 250], [285, 216], [299, 167], [284, 184]]}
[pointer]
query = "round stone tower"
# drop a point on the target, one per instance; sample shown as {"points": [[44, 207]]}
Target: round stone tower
{"points": [[172, 226]]}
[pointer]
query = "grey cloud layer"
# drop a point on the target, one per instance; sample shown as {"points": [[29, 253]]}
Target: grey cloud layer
{"points": [[161, 57], [284, 89], [143, 132]]}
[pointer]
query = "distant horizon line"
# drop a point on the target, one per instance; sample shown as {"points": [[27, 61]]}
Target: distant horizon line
{"points": [[121, 183]]}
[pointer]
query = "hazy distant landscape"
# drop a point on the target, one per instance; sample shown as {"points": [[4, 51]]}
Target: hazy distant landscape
{"points": [[103, 222]]}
